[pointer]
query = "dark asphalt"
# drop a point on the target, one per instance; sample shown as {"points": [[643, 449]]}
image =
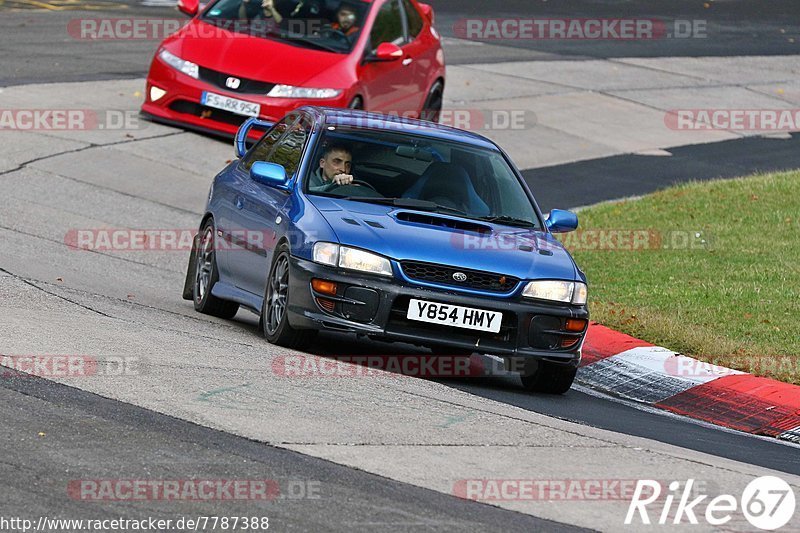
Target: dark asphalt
{"points": [[53, 435], [597, 412], [37, 45], [595, 180], [733, 27]]}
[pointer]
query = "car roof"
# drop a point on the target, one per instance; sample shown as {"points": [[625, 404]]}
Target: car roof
{"points": [[329, 116]]}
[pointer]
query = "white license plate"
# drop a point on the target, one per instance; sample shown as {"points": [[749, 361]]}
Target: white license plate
{"points": [[454, 315], [234, 105]]}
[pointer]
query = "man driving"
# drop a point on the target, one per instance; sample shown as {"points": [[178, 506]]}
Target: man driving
{"points": [[334, 169], [346, 20]]}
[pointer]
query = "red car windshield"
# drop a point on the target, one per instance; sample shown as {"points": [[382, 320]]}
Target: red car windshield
{"points": [[311, 23]]}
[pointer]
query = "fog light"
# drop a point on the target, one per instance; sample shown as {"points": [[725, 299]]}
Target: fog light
{"points": [[566, 342], [323, 286], [575, 324], [156, 93], [326, 304]]}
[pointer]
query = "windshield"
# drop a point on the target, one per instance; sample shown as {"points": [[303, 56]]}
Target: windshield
{"points": [[419, 173], [325, 25]]}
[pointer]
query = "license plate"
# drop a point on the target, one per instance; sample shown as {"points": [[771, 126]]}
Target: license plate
{"points": [[454, 315], [234, 105]]}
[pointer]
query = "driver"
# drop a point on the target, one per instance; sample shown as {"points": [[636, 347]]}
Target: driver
{"points": [[346, 21], [334, 169]]}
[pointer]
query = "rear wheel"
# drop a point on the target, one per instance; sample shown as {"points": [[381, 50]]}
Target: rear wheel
{"points": [[274, 310], [433, 103], [206, 275], [549, 378]]}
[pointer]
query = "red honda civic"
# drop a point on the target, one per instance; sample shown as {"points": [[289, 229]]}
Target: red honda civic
{"points": [[264, 58]]}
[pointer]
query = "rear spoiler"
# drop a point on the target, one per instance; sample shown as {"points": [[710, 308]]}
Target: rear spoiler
{"points": [[240, 141], [427, 10]]}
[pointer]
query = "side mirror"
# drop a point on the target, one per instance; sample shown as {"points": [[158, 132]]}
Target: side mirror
{"points": [[386, 52], [560, 221], [271, 174], [189, 7]]}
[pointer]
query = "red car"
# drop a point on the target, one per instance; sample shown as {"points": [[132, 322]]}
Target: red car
{"points": [[264, 58]]}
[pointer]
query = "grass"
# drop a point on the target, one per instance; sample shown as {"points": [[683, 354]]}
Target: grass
{"points": [[716, 277]]}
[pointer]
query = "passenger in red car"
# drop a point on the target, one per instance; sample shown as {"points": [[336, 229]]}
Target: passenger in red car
{"points": [[248, 11]]}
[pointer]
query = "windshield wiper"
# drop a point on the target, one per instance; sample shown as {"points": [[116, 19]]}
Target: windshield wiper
{"points": [[411, 203], [312, 42], [510, 221]]}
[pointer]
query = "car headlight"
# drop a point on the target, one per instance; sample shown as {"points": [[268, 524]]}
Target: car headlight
{"points": [[332, 254], [289, 91], [559, 291], [187, 67]]}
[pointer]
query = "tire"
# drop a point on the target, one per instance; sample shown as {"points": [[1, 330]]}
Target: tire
{"points": [[550, 378], [274, 316], [357, 103], [432, 108], [206, 275]]}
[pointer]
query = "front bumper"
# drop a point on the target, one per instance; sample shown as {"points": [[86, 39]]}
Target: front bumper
{"points": [[181, 105], [377, 307]]}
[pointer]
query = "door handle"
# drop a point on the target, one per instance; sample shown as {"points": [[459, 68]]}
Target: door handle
{"points": [[407, 61], [239, 202]]}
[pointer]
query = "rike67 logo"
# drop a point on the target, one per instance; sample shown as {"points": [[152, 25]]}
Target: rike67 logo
{"points": [[767, 502]]}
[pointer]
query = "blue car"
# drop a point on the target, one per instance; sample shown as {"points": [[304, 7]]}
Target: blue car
{"points": [[394, 229]]}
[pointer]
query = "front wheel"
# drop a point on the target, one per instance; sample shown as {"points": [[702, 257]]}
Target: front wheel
{"points": [[274, 309], [550, 378]]}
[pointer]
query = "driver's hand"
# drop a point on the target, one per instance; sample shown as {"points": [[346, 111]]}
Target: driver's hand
{"points": [[267, 5], [343, 179]]}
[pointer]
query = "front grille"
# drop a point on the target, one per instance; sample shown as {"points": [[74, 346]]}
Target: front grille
{"points": [[217, 115], [432, 273], [246, 86]]}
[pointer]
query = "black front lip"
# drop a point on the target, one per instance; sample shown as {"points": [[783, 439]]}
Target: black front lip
{"points": [[304, 312]]}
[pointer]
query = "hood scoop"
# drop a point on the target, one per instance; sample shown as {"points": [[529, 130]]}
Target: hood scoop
{"points": [[430, 219]]}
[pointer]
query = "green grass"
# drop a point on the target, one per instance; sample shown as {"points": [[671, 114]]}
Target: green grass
{"points": [[730, 296]]}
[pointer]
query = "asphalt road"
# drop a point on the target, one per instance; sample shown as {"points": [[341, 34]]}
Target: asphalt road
{"points": [[38, 45], [54, 436], [133, 441]]}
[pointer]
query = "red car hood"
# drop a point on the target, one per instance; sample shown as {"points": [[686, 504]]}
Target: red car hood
{"points": [[252, 57]]}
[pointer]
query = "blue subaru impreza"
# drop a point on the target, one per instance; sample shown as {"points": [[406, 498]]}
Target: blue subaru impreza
{"points": [[396, 229]]}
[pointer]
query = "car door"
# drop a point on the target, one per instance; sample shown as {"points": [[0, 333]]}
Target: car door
{"points": [[234, 221], [260, 207], [419, 54], [389, 85]]}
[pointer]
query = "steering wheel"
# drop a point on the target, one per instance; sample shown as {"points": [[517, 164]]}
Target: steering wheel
{"points": [[336, 35], [364, 184]]}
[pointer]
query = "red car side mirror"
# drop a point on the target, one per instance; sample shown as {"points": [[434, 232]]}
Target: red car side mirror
{"points": [[388, 52], [189, 7]]}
